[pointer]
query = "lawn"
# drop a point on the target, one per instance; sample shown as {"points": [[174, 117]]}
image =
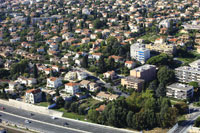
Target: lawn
{"points": [[157, 130], [150, 37], [71, 115], [44, 104], [89, 102], [186, 60]]}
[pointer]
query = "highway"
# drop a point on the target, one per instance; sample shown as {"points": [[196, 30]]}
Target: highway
{"points": [[183, 127], [45, 123]]}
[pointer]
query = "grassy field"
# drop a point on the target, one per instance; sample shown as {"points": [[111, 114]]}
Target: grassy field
{"points": [[71, 115], [156, 130], [89, 102], [150, 37], [186, 60], [44, 104]]}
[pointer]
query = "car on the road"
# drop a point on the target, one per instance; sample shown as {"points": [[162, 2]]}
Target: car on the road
{"points": [[65, 124], [27, 121], [53, 117], [2, 108], [31, 114]]}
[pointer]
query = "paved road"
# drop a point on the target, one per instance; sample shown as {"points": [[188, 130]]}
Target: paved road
{"points": [[45, 123], [183, 127]]}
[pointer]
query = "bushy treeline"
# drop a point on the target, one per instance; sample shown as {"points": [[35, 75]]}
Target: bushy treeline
{"points": [[139, 111]]}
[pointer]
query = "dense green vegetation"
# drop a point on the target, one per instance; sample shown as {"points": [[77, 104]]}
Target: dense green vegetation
{"points": [[139, 111]]}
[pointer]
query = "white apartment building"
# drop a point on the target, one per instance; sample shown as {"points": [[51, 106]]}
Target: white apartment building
{"points": [[180, 91], [195, 64], [139, 52], [187, 74]]}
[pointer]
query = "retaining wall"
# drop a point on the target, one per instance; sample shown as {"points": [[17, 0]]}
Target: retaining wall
{"points": [[31, 107]]}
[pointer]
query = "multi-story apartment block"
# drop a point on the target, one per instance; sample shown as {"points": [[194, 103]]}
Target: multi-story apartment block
{"points": [[169, 49], [195, 64], [180, 91], [146, 72], [132, 82], [139, 52], [187, 74]]}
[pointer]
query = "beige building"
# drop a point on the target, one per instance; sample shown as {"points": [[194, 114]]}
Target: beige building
{"points": [[146, 72], [132, 82], [169, 49]]}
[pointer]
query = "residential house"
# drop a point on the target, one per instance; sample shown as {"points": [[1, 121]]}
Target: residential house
{"points": [[33, 96], [106, 96], [101, 108], [54, 82], [96, 56], [109, 74], [72, 88], [70, 76], [93, 87], [130, 64], [27, 81], [116, 58]]}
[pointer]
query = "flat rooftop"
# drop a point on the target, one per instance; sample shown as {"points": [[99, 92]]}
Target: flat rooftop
{"points": [[180, 86]]}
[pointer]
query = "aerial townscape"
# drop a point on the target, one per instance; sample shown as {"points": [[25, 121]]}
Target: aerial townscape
{"points": [[102, 66]]}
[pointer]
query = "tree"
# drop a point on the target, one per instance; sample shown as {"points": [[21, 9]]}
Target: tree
{"points": [[161, 90], [197, 122], [153, 85], [98, 24], [35, 71], [84, 62], [129, 118], [93, 115], [165, 75], [182, 108], [162, 59], [102, 65], [60, 102], [74, 107], [111, 63], [67, 105], [194, 84], [4, 73], [57, 92], [49, 99]]}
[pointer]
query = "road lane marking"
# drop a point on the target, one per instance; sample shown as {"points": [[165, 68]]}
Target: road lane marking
{"points": [[77, 130]]}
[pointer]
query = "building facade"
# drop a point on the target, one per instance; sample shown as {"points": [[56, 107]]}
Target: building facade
{"points": [[72, 88], [146, 72], [54, 82], [33, 96], [180, 91], [187, 74], [139, 52], [132, 82]]}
